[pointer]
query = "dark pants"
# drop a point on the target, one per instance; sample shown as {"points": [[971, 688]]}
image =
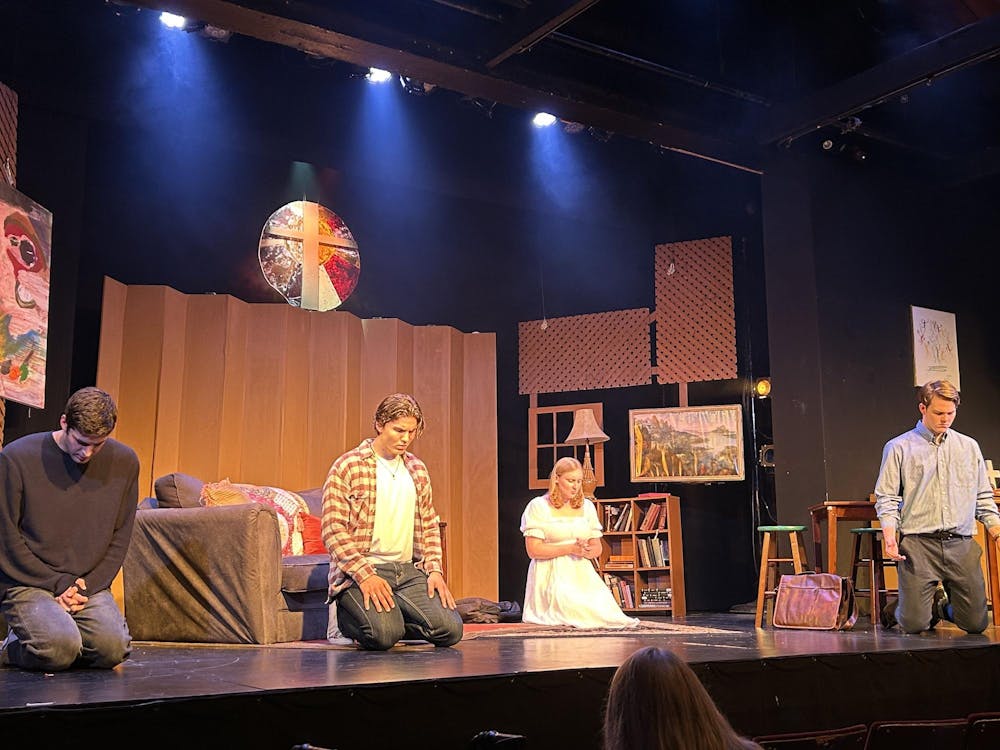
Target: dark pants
{"points": [[955, 563], [415, 616]]}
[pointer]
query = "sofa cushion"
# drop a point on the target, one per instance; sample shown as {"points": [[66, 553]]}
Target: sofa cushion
{"points": [[314, 499], [302, 573], [178, 490]]}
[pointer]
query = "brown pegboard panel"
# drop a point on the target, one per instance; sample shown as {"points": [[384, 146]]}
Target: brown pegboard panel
{"points": [[584, 352], [695, 313], [8, 132]]}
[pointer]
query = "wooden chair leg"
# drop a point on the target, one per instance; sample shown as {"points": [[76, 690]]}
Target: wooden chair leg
{"points": [[799, 559], [765, 554], [879, 596]]}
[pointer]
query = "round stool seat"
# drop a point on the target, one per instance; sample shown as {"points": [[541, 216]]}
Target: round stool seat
{"points": [[781, 528], [866, 530]]}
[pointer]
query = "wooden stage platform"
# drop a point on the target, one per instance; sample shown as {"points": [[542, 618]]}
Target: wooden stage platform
{"points": [[549, 689]]}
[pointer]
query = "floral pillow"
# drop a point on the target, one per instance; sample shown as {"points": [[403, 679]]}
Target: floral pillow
{"points": [[288, 506]]}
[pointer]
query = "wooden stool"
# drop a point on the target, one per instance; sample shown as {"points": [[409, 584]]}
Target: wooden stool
{"points": [[876, 592], [770, 559]]}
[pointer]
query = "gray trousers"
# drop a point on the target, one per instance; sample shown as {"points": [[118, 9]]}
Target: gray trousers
{"points": [[954, 562]]}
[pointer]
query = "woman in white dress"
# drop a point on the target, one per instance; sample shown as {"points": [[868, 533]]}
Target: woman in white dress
{"points": [[562, 535]]}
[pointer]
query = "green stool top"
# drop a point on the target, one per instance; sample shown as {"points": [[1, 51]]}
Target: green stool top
{"points": [[867, 530], [781, 528]]}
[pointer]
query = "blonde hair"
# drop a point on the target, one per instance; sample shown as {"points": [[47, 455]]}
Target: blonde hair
{"points": [[564, 465], [940, 388], [656, 702]]}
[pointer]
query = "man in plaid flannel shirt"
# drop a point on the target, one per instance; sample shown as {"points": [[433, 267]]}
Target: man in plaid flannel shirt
{"points": [[381, 528]]}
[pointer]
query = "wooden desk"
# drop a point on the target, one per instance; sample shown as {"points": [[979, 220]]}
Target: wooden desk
{"points": [[833, 511]]}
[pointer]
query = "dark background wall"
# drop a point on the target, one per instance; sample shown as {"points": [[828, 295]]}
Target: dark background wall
{"points": [[162, 154]]}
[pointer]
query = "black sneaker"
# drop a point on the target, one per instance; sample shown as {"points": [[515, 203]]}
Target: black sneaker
{"points": [[939, 609]]}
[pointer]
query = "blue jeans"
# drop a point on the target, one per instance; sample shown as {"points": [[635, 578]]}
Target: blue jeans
{"points": [[415, 616], [51, 639]]}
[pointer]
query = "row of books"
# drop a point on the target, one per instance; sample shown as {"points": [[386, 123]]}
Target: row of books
{"points": [[659, 598], [619, 562], [619, 517], [621, 590], [653, 551]]}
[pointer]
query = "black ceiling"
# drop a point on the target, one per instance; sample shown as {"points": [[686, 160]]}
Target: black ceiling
{"points": [[909, 80]]}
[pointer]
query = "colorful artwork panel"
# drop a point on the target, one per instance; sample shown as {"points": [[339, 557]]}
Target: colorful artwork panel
{"points": [[24, 297]]}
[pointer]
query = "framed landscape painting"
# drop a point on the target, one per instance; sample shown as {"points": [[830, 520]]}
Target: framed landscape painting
{"points": [[686, 444]]}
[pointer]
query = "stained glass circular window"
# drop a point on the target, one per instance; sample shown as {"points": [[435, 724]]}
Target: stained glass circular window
{"points": [[308, 254]]}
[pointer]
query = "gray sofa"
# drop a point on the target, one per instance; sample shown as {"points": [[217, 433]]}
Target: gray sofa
{"points": [[198, 574]]}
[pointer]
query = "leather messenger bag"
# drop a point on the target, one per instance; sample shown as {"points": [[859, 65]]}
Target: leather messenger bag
{"points": [[815, 601]]}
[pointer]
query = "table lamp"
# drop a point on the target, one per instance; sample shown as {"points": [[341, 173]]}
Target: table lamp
{"points": [[586, 431]]}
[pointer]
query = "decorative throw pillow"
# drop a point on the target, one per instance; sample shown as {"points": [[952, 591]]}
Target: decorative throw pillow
{"points": [[223, 493], [289, 507], [177, 490], [312, 535]]}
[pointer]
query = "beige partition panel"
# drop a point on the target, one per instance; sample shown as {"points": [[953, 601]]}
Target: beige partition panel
{"points": [[271, 394]]}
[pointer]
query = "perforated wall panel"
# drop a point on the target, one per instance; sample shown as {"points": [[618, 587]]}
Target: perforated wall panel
{"points": [[695, 314], [584, 352]]}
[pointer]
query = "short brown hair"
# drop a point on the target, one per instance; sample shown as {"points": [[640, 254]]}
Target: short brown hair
{"points": [[940, 388], [91, 412], [396, 406]]}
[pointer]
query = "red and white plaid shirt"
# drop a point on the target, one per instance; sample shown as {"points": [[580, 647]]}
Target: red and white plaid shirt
{"points": [[349, 517]]}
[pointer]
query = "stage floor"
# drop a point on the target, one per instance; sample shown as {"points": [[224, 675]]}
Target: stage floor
{"points": [[727, 652]]}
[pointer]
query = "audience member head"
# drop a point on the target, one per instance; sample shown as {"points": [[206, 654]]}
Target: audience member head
{"points": [[91, 412], [566, 483], [657, 703]]}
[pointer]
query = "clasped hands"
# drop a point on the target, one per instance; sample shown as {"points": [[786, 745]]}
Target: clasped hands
{"points": [[72, 599], [588, 548]]}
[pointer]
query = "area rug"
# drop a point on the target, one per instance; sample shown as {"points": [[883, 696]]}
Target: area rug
{"points": [[523, 630]]}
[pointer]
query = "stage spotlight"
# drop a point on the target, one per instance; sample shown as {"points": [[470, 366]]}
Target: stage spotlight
{"points": [[415, 87], [377, 75], [173, 21], [827, 144], [543, 120], [215, 33], [762, 387]]}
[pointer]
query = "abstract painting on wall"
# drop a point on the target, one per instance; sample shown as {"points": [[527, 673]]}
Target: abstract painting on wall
{"points": [[24, 297], [308, 254]]}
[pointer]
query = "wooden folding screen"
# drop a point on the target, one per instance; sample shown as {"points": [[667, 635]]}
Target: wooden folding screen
{"points": [[271, 394]]}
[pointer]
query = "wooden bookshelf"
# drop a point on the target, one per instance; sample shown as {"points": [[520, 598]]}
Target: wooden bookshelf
{"points": [[645, 559]]}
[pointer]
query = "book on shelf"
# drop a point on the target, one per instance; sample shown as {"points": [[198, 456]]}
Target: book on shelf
{"points": [[661, 522], [624, 519], [644, 552], [649, 522], [659, 552]]}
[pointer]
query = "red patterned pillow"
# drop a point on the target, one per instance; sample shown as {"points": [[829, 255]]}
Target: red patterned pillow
{"points": [[312, 535], [289, 507]]}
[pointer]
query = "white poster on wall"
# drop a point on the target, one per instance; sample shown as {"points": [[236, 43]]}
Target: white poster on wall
{"points": [[935, 346]]}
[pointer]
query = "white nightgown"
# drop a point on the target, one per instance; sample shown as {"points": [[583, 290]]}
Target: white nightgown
{"points": [[567, 590]]}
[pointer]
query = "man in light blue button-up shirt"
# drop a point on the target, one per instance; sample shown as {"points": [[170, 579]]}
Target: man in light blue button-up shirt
{"points": [[931, 490]]}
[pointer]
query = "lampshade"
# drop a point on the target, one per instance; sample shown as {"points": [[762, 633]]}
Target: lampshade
{"points": [[585, 429]]}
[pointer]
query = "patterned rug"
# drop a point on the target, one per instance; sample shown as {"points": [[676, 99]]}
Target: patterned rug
{"points": [[523, 630]]}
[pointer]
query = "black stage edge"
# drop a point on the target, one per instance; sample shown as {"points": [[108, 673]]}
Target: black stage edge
{"points": [[549, 689]]}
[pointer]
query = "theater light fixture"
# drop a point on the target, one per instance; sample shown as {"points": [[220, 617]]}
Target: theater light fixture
{"points": [[172, 20], [415, 87], [543, 120], [762, 387], [377, 75]]}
